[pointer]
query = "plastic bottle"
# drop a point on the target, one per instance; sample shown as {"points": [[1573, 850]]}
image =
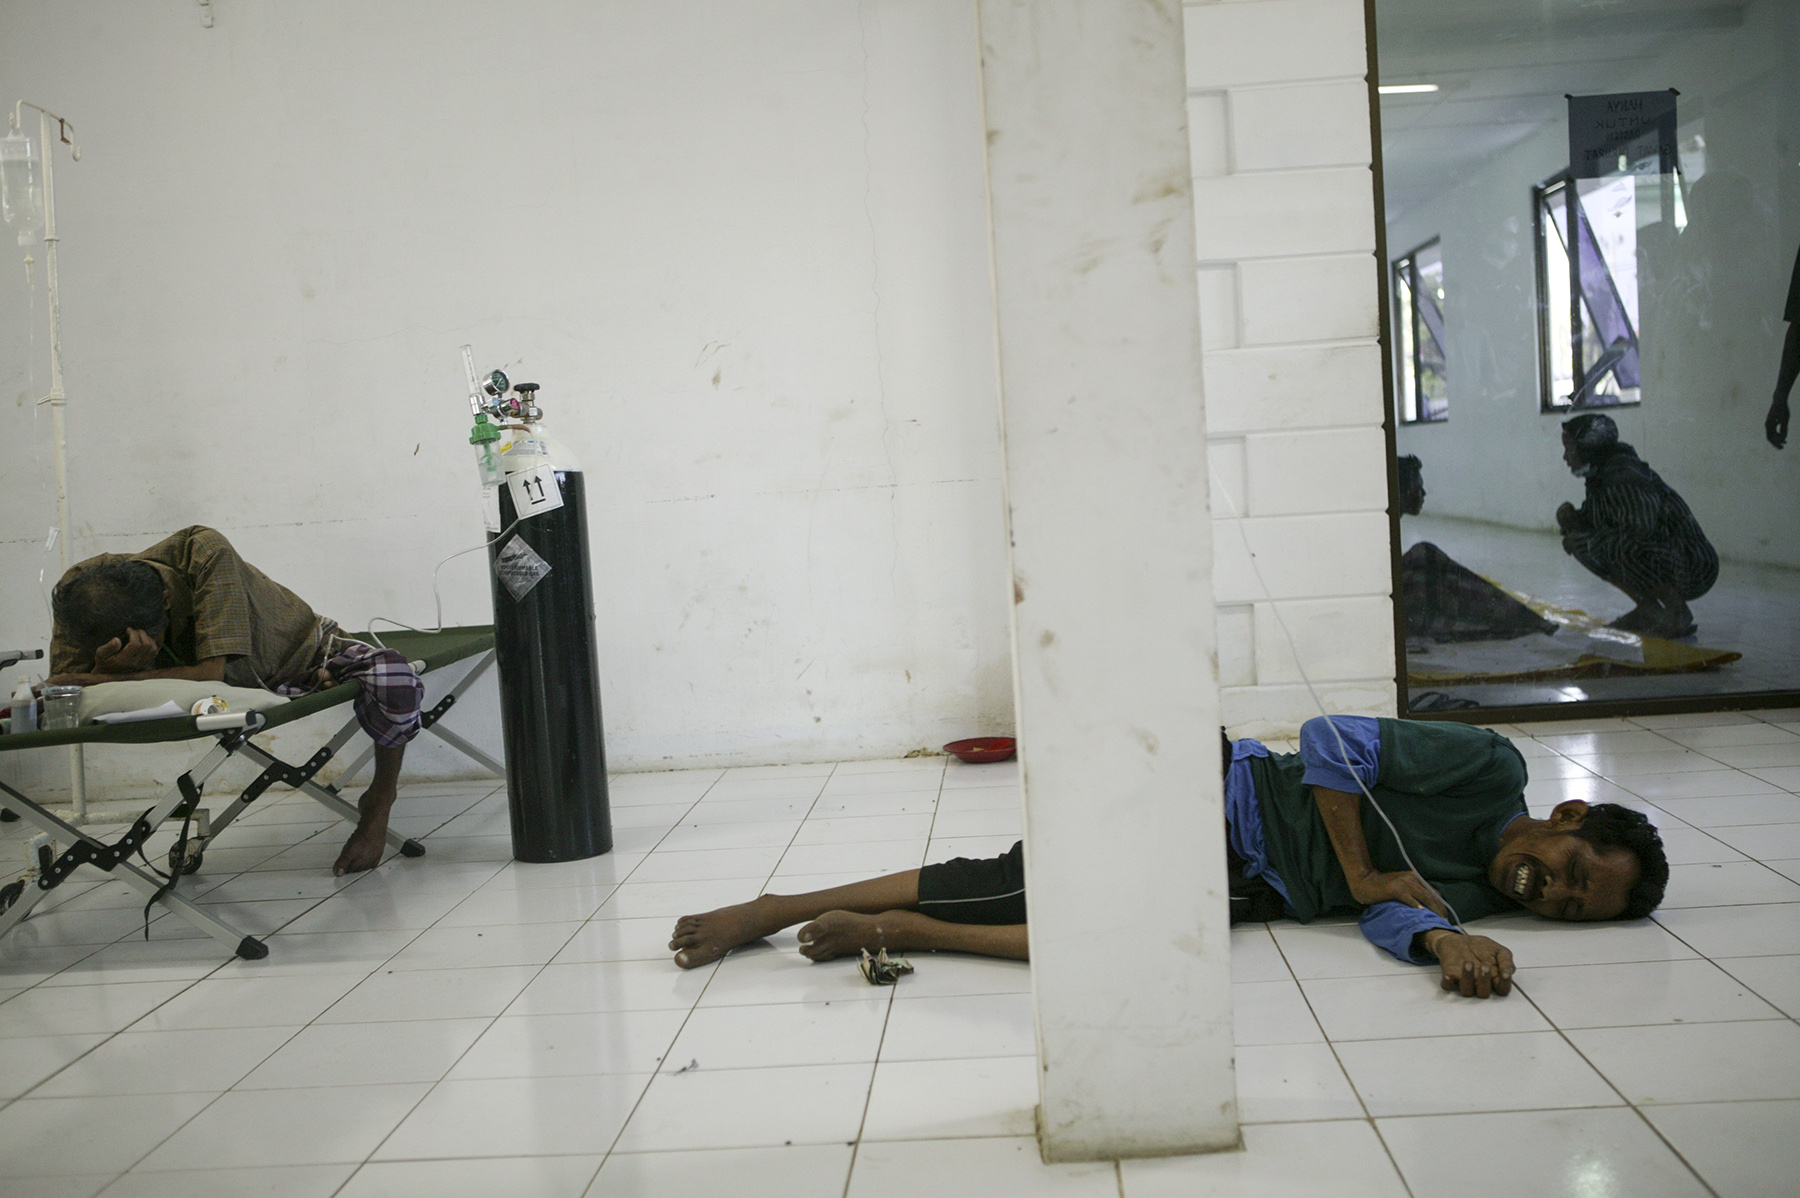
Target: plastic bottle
{"points": [[21, 202], [24, 707]]}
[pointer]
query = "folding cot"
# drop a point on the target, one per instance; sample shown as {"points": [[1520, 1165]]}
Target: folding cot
{"points": [[232, 735]]}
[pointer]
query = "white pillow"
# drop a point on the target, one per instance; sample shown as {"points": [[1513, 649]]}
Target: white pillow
{"points": [[107, 698]]}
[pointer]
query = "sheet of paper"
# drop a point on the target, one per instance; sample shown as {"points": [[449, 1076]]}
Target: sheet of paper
{"points": [[171, 708]]}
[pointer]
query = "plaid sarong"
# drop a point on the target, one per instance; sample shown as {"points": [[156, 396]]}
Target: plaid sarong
{"points": [[388, 708]]}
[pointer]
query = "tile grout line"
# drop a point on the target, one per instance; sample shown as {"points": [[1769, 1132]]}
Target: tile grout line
{"points": [[232, 1089], [1368, 1116], [207, 976], [887, 1018], [1613, 1086], [432, 1088], [651, 1080], [310, 1023]]}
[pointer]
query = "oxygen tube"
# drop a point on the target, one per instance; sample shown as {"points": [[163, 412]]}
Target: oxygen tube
{"points": [[1294, 652]]}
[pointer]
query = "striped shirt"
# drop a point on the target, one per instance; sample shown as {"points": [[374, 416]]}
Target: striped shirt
{"points": [[1634, 529]]}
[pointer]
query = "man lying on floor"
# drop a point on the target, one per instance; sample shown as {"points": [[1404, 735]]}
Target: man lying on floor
{"points": [[190, 608], [1302, 842]]}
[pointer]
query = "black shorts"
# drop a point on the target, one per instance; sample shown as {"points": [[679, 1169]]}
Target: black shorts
{"points": [[964, 890]]}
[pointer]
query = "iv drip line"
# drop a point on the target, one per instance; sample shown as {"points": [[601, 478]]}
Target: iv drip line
{"points": [[1294, 652]]}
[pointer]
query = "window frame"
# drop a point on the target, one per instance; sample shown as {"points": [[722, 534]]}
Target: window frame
{"points": [[1540, 245], [1404, 280]]}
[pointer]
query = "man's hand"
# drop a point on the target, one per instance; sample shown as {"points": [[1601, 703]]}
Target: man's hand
{"points": [[1474, 966], [1565, 516], [1406, 887], [133, 656], [1776, 425]]}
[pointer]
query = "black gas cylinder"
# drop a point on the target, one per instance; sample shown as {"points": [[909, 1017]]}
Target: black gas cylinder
{"points": [[550, 682]]}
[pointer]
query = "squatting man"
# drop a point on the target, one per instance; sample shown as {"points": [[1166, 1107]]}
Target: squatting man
{"points": [[190, 608], [1302, 841]]}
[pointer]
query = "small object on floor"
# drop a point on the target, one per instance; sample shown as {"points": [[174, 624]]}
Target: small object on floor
{"points": [[690, 1066], [983, 749], [881, 969]]}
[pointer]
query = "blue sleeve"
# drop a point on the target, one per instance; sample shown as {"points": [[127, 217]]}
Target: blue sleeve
{"points": [[1325, 758], [1393, 925]]}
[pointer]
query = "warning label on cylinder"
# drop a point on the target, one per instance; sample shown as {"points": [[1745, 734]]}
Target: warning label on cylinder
{"points": [[535, 492], [520, 567]]}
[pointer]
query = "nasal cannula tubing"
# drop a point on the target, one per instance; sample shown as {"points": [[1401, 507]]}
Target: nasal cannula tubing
{"points": [[1343, 749], [436, 595]]}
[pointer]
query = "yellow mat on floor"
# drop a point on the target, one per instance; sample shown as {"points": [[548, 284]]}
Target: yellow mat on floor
{"points": [[1583, 647]]}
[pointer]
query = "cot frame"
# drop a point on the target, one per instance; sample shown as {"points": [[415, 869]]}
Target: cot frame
{"points": [[232, 735]]}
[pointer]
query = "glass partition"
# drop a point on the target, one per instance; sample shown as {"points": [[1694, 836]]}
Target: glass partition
{"points": [[1592, 230]]}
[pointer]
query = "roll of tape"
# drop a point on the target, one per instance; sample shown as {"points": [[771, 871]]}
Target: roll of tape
{"points": [[211, 705]]}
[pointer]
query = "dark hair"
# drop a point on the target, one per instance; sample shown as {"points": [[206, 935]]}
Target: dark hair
{"points": [[1609, 825], [1593, 433], [1412, 484], [105, 601]]}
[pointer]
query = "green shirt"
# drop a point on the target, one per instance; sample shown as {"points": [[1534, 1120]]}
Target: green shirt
{"points": [[1449, 788]]}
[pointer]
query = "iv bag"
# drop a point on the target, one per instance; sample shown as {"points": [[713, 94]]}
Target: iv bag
{"points": [[21, 200]]}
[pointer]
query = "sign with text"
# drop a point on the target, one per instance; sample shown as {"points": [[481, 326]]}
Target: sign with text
{"points": [[1612, 135]]}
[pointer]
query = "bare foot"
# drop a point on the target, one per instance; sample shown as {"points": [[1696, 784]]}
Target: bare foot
{"points": [[701, 939], [842, 933], [364, 848]]}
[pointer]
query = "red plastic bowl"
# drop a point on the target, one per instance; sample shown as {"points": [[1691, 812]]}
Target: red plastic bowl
{"points": [[983, 749]]}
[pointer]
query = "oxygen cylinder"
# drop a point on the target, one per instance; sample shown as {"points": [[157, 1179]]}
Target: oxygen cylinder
{"points": [[548, 660]]}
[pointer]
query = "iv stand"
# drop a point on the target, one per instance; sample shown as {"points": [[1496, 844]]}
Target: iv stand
{"points": [[57, 399]]}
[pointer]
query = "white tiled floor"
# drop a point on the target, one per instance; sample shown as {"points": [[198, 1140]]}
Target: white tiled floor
{"points": [[463, 1024]]}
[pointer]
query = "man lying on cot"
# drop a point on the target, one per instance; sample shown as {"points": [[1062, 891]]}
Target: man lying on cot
{"points": [[1302, 841], [190, 608]]}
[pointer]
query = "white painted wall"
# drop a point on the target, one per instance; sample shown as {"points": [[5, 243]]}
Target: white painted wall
{"points": [[1105, 450], [741, 245], [1711, 307], [1284, 204]]}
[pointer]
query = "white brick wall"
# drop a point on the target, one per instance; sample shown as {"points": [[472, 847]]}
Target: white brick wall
{"points": [[1284, 203]]}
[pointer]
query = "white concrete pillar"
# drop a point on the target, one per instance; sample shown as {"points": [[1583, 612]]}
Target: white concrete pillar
{"points": [[1113, 625]]}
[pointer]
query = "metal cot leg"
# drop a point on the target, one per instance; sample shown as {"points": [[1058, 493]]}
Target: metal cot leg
{"points": [[248, 947]]}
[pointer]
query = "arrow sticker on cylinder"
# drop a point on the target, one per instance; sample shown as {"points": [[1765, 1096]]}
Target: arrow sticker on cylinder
{"points": [[519, 566], [534, 492]]}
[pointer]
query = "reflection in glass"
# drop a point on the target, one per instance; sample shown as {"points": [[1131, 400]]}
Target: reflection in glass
{"points": [[1589, 305], [1636, 272], [1419, 296]]}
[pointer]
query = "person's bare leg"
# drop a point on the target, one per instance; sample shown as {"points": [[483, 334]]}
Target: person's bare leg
{"points": [[1643, 608], [699, 939], [838, 933], [363, 849]]}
